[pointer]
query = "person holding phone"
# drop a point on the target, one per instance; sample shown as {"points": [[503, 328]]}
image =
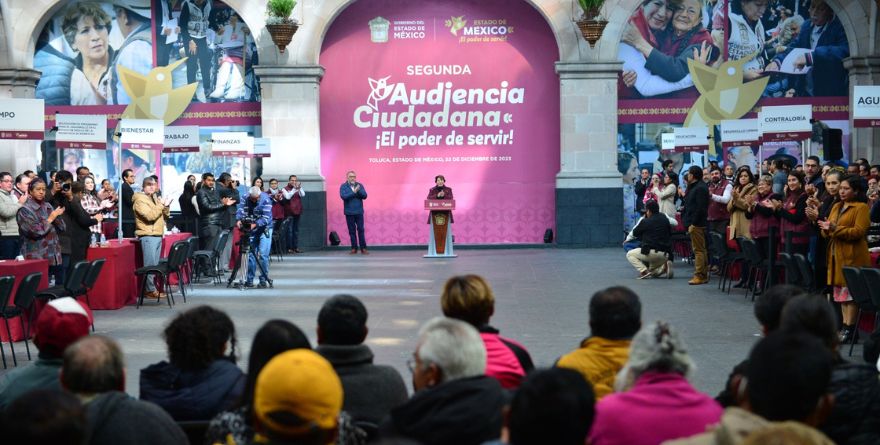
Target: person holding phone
{"points": [[150, 213]]}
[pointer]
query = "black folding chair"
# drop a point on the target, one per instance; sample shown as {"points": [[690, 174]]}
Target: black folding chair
{"points": [[72, 286], [6, 285], [89, 281], [176, 258], [210, 258], [805, 270], [861, 296], [24, 305]]}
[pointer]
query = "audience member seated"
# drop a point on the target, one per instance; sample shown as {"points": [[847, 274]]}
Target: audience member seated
{"points": [[654, 401], [297, 400], [855, 418], [61, 322], [786, 380], [371, 391], [615, 317], [94, 371], [43, 417], [552, 406], [455, 402], [236, 427], [200, 378], [768, 311], [469, 298]]}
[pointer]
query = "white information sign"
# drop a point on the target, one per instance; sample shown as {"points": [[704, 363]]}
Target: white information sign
{"points": [[142, 133], [87, 131], [22, 119]]}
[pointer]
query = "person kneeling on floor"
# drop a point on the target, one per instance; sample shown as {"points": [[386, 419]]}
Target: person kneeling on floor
{"points": [[655, 234]]}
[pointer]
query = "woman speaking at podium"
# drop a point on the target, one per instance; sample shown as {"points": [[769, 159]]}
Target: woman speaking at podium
{"points": [[440, 191]]}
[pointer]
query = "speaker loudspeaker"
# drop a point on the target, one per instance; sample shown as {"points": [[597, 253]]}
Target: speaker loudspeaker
{"points": [[832, 144], [334, 239]]}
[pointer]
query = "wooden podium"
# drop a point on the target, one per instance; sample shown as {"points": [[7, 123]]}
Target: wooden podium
{"points": [[440, 242]]}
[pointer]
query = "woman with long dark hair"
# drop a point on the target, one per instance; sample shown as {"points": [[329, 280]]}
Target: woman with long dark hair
{"points": [[275, 337], [81, 223], [846, 230], [763, 214], [792, 216], [740, 199]]}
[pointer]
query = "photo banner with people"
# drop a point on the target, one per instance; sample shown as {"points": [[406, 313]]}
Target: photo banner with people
{"points": [[185, 62], [700, 62], [456, 88]]}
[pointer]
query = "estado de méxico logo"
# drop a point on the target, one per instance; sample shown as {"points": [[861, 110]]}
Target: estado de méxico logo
{"points": [[478, 30]]}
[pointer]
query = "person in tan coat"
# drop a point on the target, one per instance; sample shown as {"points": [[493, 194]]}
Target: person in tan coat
{"points": [[743, 193], [150, 213], [846, 230]]}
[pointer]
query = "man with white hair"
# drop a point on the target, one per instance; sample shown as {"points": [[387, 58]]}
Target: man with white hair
{"points": [[454, 400], [258, 208]]}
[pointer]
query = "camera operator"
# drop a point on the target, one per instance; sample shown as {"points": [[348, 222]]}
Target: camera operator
{"points": [[256, 211]]}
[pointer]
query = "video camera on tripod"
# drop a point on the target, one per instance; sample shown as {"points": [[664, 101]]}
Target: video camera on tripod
{"points": [[247, 225]]}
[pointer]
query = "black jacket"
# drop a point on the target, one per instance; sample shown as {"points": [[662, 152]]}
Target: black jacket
{"points": [[211, 210], [855, 418], [226, 192], [192, 395], [126, 203], [460, 412], [78, 230], [114, 417], [655, 233], [371, 391], [696, 205]]}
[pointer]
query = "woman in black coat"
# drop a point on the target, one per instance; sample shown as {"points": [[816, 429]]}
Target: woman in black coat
{"points": [[78, 230]]}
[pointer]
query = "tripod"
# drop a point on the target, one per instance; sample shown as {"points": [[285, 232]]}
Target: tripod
{"points": [[244, 250]]}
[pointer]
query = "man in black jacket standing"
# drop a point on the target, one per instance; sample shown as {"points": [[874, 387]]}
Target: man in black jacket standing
{"points": [[655, 233], [695, 215], [126, 204], [212, 211]]}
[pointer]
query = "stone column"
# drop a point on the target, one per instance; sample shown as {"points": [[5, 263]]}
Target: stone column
{"points": [[290, 118], [865, 142], [589, 199], [18, 156]]}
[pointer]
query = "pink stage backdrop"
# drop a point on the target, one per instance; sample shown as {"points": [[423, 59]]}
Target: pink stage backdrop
{"points": [[458, 88]]}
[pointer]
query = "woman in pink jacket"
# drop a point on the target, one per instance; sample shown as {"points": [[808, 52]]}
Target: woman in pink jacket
{"points": [[469, 298], [653, 400]]}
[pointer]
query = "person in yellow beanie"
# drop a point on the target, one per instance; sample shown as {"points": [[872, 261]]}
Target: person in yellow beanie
{"points": [[297, 399]]}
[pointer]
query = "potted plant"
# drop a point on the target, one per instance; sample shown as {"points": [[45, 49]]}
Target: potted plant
{"points": [[278, 22], [591, 23]]}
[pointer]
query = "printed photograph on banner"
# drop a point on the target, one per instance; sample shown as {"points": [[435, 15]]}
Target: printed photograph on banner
{"points": [[658, 40], [743, 156], [86, 49], [798, 45], [176, 167], [214, 46]]}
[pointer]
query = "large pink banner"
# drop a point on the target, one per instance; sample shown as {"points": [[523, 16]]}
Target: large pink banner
{"points": [[464, 89]]}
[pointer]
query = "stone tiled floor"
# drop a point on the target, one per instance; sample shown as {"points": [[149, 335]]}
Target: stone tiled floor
{"points": [[541, 301]]}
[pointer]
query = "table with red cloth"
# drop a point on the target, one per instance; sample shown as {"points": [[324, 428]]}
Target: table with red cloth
{"points": [[19, 270], [117, 284]]}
